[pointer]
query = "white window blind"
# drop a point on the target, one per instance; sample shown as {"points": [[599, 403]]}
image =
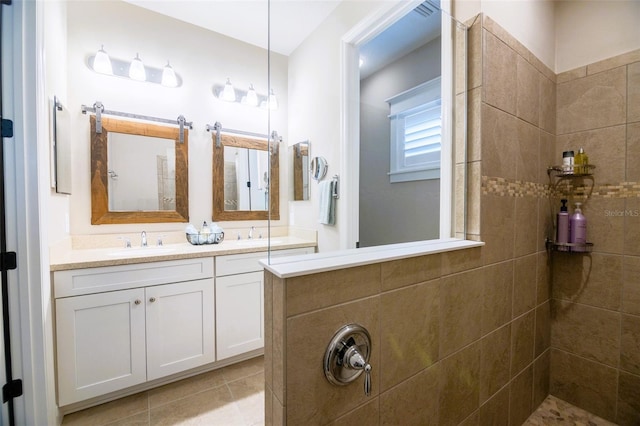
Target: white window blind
{"points": [[416, 133]]}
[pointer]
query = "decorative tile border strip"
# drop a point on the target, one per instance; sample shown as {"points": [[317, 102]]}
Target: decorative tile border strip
{"points": [[515, 188]]}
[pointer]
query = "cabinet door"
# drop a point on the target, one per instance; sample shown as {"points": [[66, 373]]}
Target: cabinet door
{"points": [[100, 344], [180, 327], [239, 314]]}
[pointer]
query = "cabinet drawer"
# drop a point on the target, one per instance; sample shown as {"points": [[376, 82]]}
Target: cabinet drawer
{"points": [[109, 278], [249, 262]]}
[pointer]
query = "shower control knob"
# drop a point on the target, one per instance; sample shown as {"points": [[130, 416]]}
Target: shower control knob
{"points": [[347, 356], [367, 379]]}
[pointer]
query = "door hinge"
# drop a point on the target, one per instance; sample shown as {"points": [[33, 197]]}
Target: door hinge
{"points": [[8, 261], [11, 390], [7, 128]]}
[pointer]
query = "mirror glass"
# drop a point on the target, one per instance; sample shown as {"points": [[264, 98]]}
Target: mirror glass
{"points": [[142, 173], [319, 168], [139, 173], [245, 178], [301, 171], [61, 147]]}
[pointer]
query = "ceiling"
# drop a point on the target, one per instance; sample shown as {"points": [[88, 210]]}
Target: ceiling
{"points": [[291, 20]]}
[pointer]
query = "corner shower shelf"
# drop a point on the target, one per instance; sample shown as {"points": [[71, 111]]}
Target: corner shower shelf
{"points": [[569, 247], [575, 172]]}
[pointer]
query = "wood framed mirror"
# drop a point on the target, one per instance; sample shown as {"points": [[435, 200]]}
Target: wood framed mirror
{"points": [[139, 173], [243, 186]]}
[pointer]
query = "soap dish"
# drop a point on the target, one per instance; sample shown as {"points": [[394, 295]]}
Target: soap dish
{"points": [[207, 238]]}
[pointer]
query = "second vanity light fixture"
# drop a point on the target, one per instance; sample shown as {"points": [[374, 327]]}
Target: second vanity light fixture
{"points": [[134, 69], [228, 93]]}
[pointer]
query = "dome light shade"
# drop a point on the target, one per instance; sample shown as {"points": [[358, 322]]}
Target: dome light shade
{"points": [[252, 97], [273, 101], [228, 93], [169, 76], [136, 69], [102, 63]]}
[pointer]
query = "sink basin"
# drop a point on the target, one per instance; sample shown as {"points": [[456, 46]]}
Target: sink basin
{"points": [[142, 251], [258, 242]]}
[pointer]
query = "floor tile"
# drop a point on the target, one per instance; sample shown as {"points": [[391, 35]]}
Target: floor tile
{"points": [[556, 412], [248, 393], [111, 411], [243, 369], [192, 385]]}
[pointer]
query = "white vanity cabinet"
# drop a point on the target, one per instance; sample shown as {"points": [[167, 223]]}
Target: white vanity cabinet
{"points": [[240, 301], [118, 326]]}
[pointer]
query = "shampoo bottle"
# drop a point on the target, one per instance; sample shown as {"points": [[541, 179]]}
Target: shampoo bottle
{"points": [[562, 226], [578, 229]]}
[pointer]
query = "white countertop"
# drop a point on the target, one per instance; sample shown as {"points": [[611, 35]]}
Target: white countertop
{"points": [[293, 266], [61, 260]]}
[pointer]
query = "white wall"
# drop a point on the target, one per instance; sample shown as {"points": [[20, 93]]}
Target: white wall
{"points": [[202, 58], [388, 211], [589, 31]]}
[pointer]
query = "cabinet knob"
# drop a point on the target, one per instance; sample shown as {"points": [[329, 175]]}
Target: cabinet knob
{"points": [[152, 299], [137, 301]]}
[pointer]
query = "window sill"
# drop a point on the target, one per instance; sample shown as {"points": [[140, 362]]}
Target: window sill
{"points": [[295, 266], [411, 175]]}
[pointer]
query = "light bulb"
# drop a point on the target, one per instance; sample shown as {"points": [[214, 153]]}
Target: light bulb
{"points": [[136, 69], [252, 97], [169, 76], [102, 63], [273, 101], [228, 93]]}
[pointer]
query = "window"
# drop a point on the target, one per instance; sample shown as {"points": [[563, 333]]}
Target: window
{"points": [[416, 133]]}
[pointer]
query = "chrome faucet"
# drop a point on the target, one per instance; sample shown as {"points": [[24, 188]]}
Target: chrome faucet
{"points": [[251, 232], [143, 239]]}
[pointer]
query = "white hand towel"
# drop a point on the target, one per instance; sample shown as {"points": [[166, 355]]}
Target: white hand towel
{"points": [[327, 214]]}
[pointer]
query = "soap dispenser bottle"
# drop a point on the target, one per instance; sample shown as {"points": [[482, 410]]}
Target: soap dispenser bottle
{"points": [[578, 229], [562, 226]]}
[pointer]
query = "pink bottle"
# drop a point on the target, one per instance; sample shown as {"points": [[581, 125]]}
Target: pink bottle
{"points": [[578, 229]]}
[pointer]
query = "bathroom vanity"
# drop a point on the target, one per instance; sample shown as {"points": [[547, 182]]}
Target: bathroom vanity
{"points": [[130, 319]]}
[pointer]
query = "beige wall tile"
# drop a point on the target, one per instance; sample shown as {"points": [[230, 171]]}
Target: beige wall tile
{"points": [[587, 384], [268, 407], [413, 270], [628, 401], [499, 74], [547, 155], [459, 132], [633, 148], [367, 414], [522, 342], [474, 192], [330, 288], [474, 125], [631, 285], [604, 228], [528, 155], [547, 105], [278, 340], [541, 378], [524, 284], [472, 420], [459, 385], [632, 227], [543, 276], [278, 415], [594, 280], [459, 311], [527, 91], [311, 399], [521, 396], [497, 296], [499, 143], [614, 62], [591, 333], [412, 402], [605, 148], [495, 412], [592, 102], [630, 344], [525, 238], [475, 54], [573, 74], [633, 90], [543, 328], [497, 228], [409, 320], [546, 223], [268, 328], [461, 260], [495, 359]]}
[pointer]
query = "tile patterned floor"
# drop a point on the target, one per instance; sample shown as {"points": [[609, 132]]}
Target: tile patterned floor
{"points": [[234, 396], [556, 412], [231, 396]]}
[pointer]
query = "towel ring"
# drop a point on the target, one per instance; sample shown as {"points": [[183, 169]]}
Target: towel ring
{"points": [[318, 168]]}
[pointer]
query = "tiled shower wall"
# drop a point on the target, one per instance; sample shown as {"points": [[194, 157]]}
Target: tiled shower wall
{"points": [[595, 356], [460, 337]]}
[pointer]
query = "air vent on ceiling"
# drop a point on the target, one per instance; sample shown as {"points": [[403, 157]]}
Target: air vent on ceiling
{"points": [[426, 9]]}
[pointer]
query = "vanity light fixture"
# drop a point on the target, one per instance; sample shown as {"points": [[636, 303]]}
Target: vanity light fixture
{"points": [[273, 101], [228, 93], [136, 69], [102, 63], [169, 76], [251, 98]]}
